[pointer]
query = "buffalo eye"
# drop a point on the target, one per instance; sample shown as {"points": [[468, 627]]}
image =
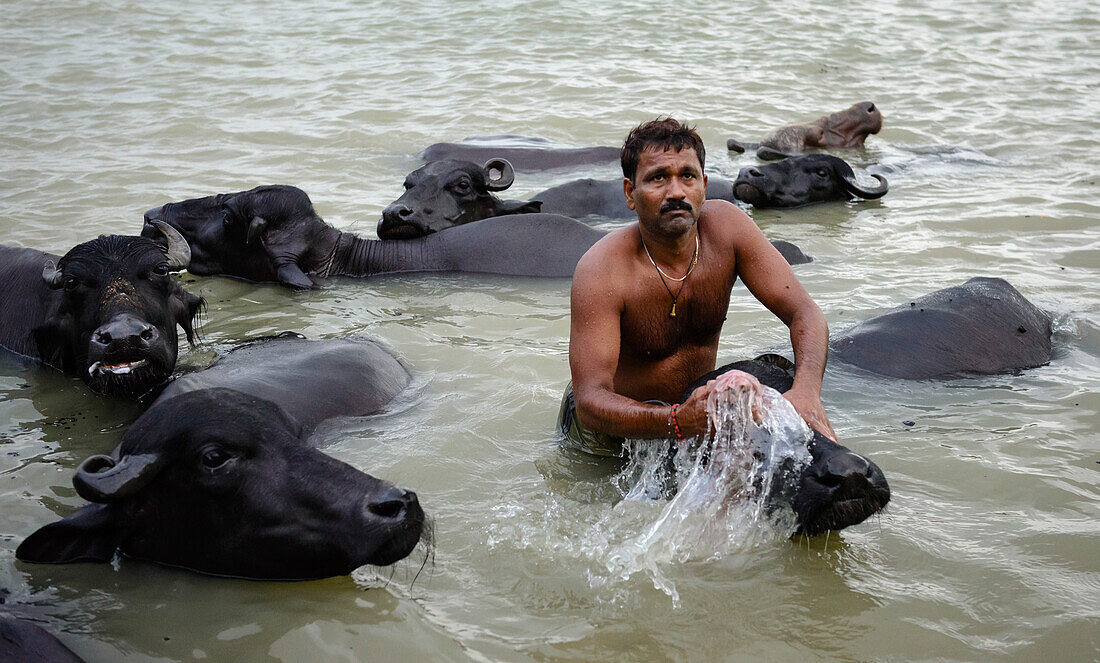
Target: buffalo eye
{"points": [[71, 283], [214, 458], [822, 172], [462, 186], [161, 269]]}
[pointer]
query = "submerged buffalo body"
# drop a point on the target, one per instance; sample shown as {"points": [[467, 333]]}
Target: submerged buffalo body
{"points": [[803, 180], [217, 476], [271, 233], [839, 488], [524, 152], [847, 128], [983, 326], [22, 641], [443, 194], [106, 311]]}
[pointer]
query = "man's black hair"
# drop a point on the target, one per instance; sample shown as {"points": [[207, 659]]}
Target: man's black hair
{"points": [[663, 133]]}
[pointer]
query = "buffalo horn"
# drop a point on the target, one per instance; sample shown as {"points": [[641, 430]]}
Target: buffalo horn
{"points": [[855, 188], [52, 275], [507, 174], [178, 253], [102, 479]]}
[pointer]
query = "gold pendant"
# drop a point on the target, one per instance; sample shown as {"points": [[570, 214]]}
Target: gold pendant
{"points": [[672, 314]]}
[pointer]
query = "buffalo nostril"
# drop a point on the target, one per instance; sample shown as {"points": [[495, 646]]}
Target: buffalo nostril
{"points": [[387, 508], [404, 212], [871, 108], [147, 334], [755, 173], [102, 337]]}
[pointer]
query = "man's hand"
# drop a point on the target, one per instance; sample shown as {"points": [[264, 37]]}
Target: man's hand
{"points": [[808, 404]]}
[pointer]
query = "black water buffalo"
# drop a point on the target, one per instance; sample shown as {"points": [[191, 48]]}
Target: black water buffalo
{"points": [[279, 237], [217, 475], [839, 488], [847, 128], [524, 152], [443, 194], [793, 182], [983, 326], [802, 180], [106, 311]]}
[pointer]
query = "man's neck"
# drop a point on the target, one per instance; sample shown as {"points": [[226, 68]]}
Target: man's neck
{"points": [[673, 251]]}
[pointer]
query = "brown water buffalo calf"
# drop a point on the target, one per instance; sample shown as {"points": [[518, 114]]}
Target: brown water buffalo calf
{"points": [[444, 194], [846, 128], [106, 311]]}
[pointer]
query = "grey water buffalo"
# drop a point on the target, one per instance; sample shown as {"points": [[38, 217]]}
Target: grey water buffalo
{"points": [[22, 641], [803, 180], [839, 488], [106, 311], [524, 152], [983, 326], [218, 475], [847, 128], [443, 194], [271, 233]]}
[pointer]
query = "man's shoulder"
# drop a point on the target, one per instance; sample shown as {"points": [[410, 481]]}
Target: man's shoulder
{"points": [[610, 251], [724, 221]]}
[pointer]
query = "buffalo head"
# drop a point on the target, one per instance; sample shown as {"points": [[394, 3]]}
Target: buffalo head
{"points": [[118, 307], [215, 481], [851, 126], [270, 233], [443, 194], [801, 180]]}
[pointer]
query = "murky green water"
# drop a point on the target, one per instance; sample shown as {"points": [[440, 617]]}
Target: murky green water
{"points": [[989, 549]]}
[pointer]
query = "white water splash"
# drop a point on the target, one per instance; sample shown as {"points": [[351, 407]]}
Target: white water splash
{"points": [[732, 487]]}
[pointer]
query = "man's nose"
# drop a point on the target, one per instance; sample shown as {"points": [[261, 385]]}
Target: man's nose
{"points": [[676, 188]]}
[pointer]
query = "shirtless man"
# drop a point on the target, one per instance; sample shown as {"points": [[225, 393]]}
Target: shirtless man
{"points": [[649, 300]]}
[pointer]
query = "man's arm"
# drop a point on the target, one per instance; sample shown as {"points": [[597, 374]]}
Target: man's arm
{"points": [[770, 279], [596, 305]]}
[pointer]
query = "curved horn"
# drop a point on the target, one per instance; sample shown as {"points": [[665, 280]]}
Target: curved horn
{"points": [[507, 174], [52, 275], [870, 194], [101, 479], [179, 252]]}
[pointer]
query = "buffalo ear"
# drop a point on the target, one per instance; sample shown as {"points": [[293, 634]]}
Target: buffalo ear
{"points": [[520, 207], [185, 307], [92, 534], [292, 275]]}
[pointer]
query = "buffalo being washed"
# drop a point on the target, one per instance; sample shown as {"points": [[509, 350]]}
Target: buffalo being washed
{"points": [[106, 311], [218, 476]]}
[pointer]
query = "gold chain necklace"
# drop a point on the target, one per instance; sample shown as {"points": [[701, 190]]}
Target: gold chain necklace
{"points": [[691, 266]]}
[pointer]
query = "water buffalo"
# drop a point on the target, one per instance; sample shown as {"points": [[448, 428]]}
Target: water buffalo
{"points": [[983, 326], [802, 180], [846, 128], [217, 476], [271, 233], [524, 152], [22, 641], [450, 193], [793, 182], [839, 488], [106, 311]]}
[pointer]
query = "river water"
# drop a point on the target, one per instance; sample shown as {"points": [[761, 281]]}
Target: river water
{"points": [[989, 549]]}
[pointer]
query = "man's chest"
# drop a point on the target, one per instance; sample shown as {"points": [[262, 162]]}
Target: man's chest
{"points": [[650, 331]]}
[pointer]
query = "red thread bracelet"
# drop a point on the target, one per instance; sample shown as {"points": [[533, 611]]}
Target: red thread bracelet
{"points": [[676, 424]]}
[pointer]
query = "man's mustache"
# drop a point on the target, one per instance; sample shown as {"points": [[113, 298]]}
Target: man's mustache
{"points": [[675, 204]]}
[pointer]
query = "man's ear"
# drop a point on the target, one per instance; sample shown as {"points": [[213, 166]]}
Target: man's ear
{"points": [[90, 535], [628, 191]]}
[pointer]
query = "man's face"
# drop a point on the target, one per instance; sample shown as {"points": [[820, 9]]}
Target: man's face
{"points": [[668, 190]]}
